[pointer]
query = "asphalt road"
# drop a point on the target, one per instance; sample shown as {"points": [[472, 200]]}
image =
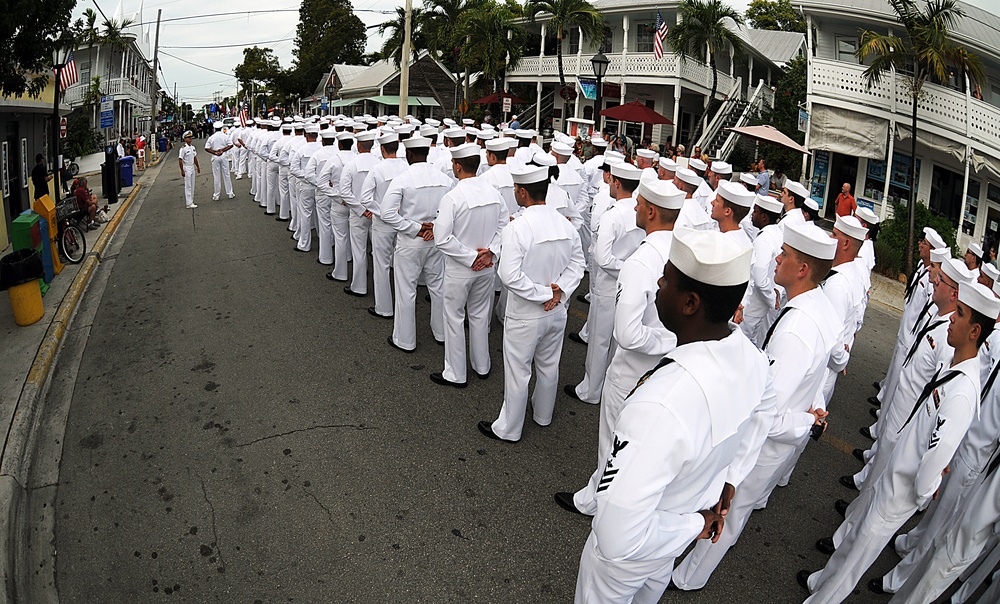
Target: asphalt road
{"points": [[239, 431]]}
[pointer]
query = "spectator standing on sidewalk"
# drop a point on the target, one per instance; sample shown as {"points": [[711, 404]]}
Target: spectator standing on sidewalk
{"points": [[846, 204], [40, 176]]}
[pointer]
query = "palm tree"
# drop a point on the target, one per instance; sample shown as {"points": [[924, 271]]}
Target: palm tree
{"points": [[495, 42], [91, 36], [393, 45], [925, 51], [706, 25]]}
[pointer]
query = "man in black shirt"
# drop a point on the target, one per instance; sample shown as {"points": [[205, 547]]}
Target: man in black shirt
{"points": [[40, 176]]}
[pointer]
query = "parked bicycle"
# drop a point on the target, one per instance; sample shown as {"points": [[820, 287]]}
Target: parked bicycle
{"points": [[70, 236]]}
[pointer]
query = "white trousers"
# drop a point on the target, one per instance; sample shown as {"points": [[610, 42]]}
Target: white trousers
{"points": [[612, 403], [284, 201], [601, 327], [324, 229], [307, 201], [976, 574], [410, 261], [340, 225], [360, 227], [383, 244], [526, 340], [241, 164], [189, 185], [603, 581], [252, 170], [260, 181], [475, 294], [294, 203], [271, 195], [220, 174]]}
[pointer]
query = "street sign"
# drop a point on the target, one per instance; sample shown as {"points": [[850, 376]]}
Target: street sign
{"points": [[62, 128], [464, 106], [803, 120], [506, 104], [107, 112]]}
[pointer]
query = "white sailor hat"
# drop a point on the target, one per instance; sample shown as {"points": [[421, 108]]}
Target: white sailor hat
{"points": [[385, 139], [811, 240], [748, 179], [297, 117], [275, 122], [611, 161], [509, 132], [933, 238], [383, 118], [217, 125], [795, 187], [721, 167], [371, 121], [980, 298], [561, 149], [407, 117], [257, 120], [468, 121], [286, 127], [433, 122], [523, 133], [471, 131], [299, 125], [328, 134], [866, 216], [428, 131], [449, 122], [996, 287], [490, 127], [527, 175], [941, 254], [668, 164], [415, 122], [312, 129], [485, 135], [498, 144], [543, 159], [696, 164], [991, 272], [852, 227], [662, 193], [598, 141], [286, 119], [811, 204], [957, 271], [454, 133], [646, 153], [976, 249], [710, 257], [403, 129], [345, 136], [367, 135], [625, 171], [768, 203], [734, 193], [359, 126], [688, 176], [464, 151], [614, 155], [417, 142]]}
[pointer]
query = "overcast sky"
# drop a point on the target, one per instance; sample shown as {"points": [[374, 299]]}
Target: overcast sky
{"points": [[275, 30]]}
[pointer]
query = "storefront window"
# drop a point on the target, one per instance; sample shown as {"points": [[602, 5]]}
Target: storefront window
{"points": [[946, 193], [899, 190], [971, 208]]}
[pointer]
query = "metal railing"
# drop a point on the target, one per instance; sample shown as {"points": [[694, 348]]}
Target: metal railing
{"points": [[753, 105]]}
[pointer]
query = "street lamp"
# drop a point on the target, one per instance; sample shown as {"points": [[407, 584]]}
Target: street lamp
{"points": [[600, 64], [60, 55], [330, 89]]}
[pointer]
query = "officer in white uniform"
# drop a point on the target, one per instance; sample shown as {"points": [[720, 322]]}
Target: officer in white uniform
{"points": [[307, 190], [217, 145], [187, 160], [541, 263], [352, 179], [798, 345], [940, 417], [467, 231], [383, 235], [410, 206], [660, 483], [316, 177], [641, 340]]}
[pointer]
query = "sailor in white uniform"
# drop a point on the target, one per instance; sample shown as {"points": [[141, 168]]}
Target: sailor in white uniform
{"points": [[316, 177], [541, 263], [641, 340], [383, 236], [307, 190], [467, 231], [339, 219], [187, 160], [730, 204], [410, 206], [661, 485], [760, 304], [217, 145], [352, 179], [798, 345], [693, 215], [276, 175]]}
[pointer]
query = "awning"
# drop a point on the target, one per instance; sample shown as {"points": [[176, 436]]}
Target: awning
{"points": [[933, 141], [422, 101], [847, 132]]}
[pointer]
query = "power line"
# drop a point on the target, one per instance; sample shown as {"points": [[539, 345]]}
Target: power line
{"points": [[253, 12], [234, 45], [197, 65]]}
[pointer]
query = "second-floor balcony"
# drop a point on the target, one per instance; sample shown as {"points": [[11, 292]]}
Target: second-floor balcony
{"points": [[121, 88], [843, 84]]}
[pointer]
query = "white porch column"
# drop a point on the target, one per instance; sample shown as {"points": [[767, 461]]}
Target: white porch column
{"points": [[676, 135], [541, 52], [805, 158], [750, 79], [888, 169], [538, 106], [965, 193]]}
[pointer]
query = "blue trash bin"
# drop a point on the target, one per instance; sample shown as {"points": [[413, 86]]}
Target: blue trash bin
{"points": [[126, 163], [161, 145]]}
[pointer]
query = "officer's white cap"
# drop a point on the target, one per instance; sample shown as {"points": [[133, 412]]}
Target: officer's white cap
{"points": [[668, 164], [979, 297], [696, 164], [941, 254], [811, 240], [688, 176], [990, 271], [312, 129], [188, 134], [734, 193], [522, 133], [956, 270], [796, 188], [646, 153], [933, 238], [417, 142], [721, 167], [217, 125], [526, 175], [662, 193], [748, 179], [485, 135], [385, 139], [345, 136], [866, 216], [367, 135], [498, 144], [466, 150], [710, 257], [543, 159], [768, 203], [561, 149], [328, 134], [625, 171], [976, 249], [851, 226], [598, 141]]}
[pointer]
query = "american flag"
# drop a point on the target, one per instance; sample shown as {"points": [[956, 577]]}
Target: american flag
{"points": [[660, 36], [69, 74], [243, 116]]}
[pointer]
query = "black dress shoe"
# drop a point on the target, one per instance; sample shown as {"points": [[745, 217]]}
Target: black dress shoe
{"points": [[269, 213], [296, 248], [570, 391], [874, 401], [876, 386], [802, 578], [582, 298], [318, 261], [393, 344], [859, 454], [279, 219], [864, 431], [841, 506], [438, 379], [873, 412], [439, 342], [576, 338], [892, 542], [372, 312], [332, 278], [565, 501], [351, 292], [825, 546], [848, 481], [482, 376], [875, 585], [486, 428]]}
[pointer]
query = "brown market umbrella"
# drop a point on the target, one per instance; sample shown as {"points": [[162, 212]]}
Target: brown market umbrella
{"points": [[496, 98], [635, 112], [769, 134]]}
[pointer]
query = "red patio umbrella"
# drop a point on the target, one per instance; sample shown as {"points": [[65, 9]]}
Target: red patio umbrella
{"points": [[635, 112], [496, 98]]}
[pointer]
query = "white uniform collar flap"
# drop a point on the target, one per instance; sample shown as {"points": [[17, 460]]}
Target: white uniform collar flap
{"points": [[545, 225]]}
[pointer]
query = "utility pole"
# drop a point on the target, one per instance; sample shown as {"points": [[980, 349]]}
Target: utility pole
{"points": [[404, 63], [151, 140]]}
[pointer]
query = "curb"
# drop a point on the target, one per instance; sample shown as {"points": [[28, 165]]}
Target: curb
{"points": [[14, 464]]}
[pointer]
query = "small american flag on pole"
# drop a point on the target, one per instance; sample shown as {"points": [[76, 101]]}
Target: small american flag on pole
{"points": [[69, 74], [243, 116], [659, 36]]}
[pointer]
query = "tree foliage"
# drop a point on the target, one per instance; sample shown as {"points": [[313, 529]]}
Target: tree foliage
{"points": [[775, 15], [328, 32], [392, 48], [259, 66], [495, 42], [705, 24], [28, 31], [564, 15]]}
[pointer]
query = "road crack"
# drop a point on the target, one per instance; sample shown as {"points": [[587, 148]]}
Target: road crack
{"points": [[316, 499], [320, 427], [215, 532]]}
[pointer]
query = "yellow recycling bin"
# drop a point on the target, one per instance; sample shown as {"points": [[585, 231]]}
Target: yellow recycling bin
{"points": [[26, 302]]}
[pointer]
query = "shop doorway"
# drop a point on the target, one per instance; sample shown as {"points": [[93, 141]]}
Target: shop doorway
{"points": [[991, 236], [843, 168]]}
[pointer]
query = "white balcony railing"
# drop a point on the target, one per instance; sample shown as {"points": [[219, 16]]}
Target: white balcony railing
{"points": [[121, 88], [943, 107]]}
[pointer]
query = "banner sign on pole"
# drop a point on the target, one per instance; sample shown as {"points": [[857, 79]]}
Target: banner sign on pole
{"points": [[107, 112]]}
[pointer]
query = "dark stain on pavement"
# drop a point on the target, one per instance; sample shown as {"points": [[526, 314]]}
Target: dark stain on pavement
{"points": [[92, 441], [211, 386]]}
